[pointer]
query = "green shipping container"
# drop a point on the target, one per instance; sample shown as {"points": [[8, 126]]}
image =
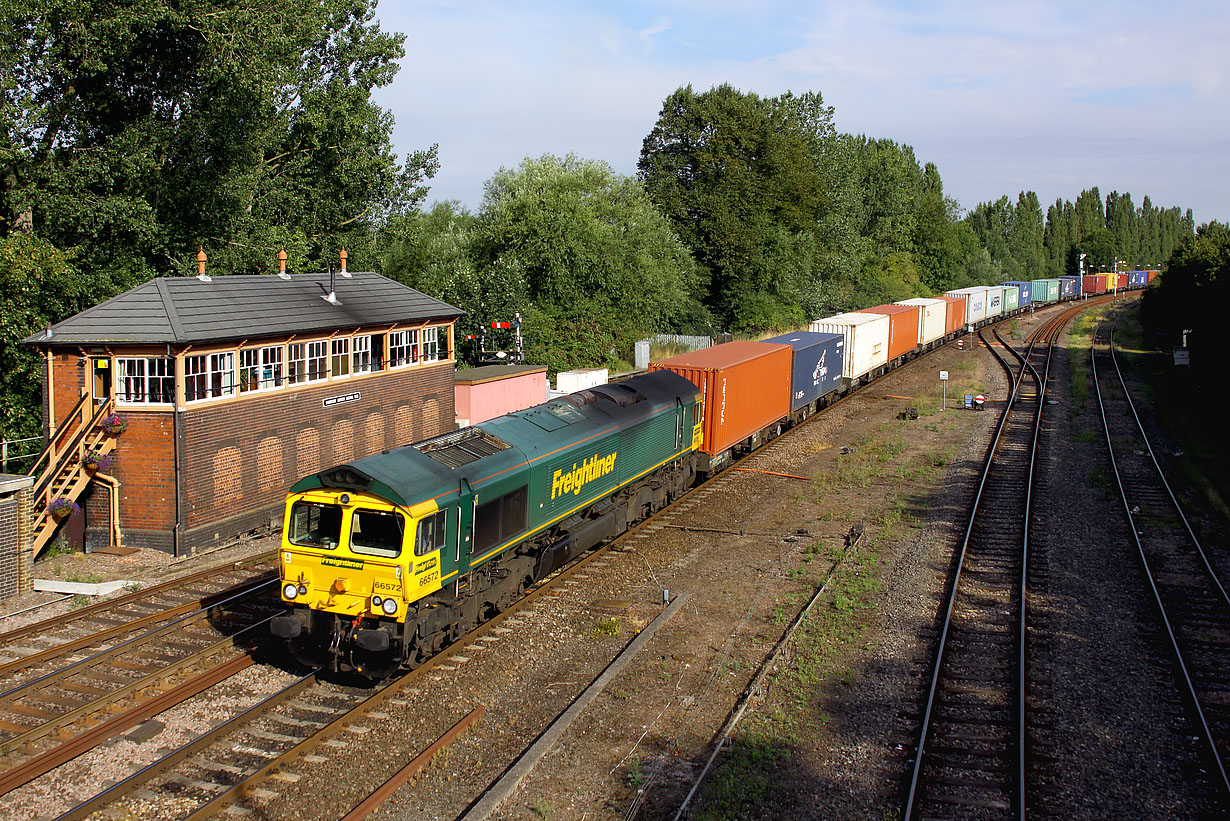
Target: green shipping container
{"points": [[1045, 290], [1012, 298]]}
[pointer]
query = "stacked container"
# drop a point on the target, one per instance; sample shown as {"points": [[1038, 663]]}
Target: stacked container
{"points": [[745, 387], [902, 328], [866, 337], [932, 316], [817, 364], [975, 303], [1026, 288]]}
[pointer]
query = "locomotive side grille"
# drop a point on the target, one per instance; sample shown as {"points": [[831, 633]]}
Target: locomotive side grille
{"points": [[462, 447]]}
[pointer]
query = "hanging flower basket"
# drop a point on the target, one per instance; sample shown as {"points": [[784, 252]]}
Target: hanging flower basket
{"points": [[114, 424], [96, 460], [61, 507]]}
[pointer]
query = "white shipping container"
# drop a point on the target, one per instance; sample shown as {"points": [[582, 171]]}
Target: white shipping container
{"points": [[866, 340], [580, 379], [995, 300], [975, 303], [931, 317]]}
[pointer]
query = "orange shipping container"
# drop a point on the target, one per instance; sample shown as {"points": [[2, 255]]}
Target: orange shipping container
{"points": [[1124, 281], [902, 327], [745, 387], [955, 320]]}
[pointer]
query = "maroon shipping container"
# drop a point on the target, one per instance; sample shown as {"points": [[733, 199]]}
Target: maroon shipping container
{"points": [[745, 387], [1124, 282], [902, 327], [1093, 284], [955, 319], [1152, 275]]}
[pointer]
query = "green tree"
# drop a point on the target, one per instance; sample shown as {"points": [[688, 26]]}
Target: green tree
{"points": [[586, 248], [37, 285], [1192, 293], [736, 176], [135, 131]]}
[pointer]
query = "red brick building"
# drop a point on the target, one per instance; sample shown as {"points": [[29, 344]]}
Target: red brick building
{"points": [[231, 390]]}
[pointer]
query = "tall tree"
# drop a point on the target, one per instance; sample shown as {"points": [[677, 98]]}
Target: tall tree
{"points": [[134, 131], [734, 173], [598, 264]]}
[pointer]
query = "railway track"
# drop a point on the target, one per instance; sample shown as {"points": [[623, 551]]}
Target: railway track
{"points": [[970, 758], [1191, 600], [247, 763], [29, 651]]}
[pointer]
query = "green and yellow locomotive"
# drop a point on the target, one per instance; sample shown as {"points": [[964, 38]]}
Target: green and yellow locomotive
{"points": [[387, 559]]}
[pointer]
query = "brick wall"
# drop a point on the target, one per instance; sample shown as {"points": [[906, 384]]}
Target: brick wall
{"points": [[239, 458], [67, 379], [16, 555], [8, 547]]}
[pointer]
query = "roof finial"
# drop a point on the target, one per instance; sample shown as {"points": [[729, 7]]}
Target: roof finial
{"points": [[342, 255], [200, 266], [282, 255]]}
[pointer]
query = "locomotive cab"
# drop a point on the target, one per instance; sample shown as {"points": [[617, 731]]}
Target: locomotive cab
{"points": [[352, 566]]}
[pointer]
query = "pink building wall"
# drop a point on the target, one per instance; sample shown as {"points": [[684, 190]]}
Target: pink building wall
{"points": [[494, 390]]}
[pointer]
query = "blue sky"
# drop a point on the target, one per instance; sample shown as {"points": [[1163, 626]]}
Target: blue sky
{"points": [[1053, 96]]}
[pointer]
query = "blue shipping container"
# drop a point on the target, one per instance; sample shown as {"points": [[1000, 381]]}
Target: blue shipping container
{"points": [[1138, 279], [1068, 287], [1077, 284], [817, 364], [1026, 290]]}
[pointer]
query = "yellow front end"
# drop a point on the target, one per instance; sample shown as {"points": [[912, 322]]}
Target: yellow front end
{"points": [[347, 553]]}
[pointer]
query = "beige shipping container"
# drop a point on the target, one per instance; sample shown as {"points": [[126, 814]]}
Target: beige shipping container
{"points": [[932, 315], [866, 338]]}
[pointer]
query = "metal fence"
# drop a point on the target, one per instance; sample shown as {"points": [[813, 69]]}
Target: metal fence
{"points": [[691, 343], [16, 453]]}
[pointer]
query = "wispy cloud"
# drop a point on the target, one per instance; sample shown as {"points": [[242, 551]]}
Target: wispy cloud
{"points": [[1043, 95]]}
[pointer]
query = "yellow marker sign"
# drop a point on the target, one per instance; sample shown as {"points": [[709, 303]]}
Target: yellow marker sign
{"points": [[595, 467]]}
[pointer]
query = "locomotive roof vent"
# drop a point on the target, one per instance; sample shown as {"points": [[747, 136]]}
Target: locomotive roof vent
{"points": [[461, 447]]}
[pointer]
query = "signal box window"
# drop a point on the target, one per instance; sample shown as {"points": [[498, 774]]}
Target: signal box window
{"points": [[431, 533], [313, 524], [499, 520], [376, 532]]}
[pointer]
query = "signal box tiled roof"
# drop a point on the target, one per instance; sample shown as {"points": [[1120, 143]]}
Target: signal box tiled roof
{"points": [[186, 310]]}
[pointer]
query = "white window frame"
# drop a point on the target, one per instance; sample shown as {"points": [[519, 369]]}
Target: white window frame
{"points": [[339, 357], [361, 354], [408, 343], [431, 345], [137, 378], [266, 366], [213, 373], [307, 362]]}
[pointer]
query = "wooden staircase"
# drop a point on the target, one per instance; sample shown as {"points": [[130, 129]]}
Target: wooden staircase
{"points": [[58, 470]]}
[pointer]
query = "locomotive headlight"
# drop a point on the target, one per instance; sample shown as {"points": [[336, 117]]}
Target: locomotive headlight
{"points": [[389, 607], [376, 600], [290, 591]]}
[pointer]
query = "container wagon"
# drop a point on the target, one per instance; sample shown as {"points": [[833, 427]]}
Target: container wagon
{"points": [[1069, 287], [866, 337], [932, 318], [954, 318], [745, 393], [815, 377], [1012, 299], [902, 330], [975, 304], [1025, 288]]}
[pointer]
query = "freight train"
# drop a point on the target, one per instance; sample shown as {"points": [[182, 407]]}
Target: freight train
{"points": [[387, 559]]}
